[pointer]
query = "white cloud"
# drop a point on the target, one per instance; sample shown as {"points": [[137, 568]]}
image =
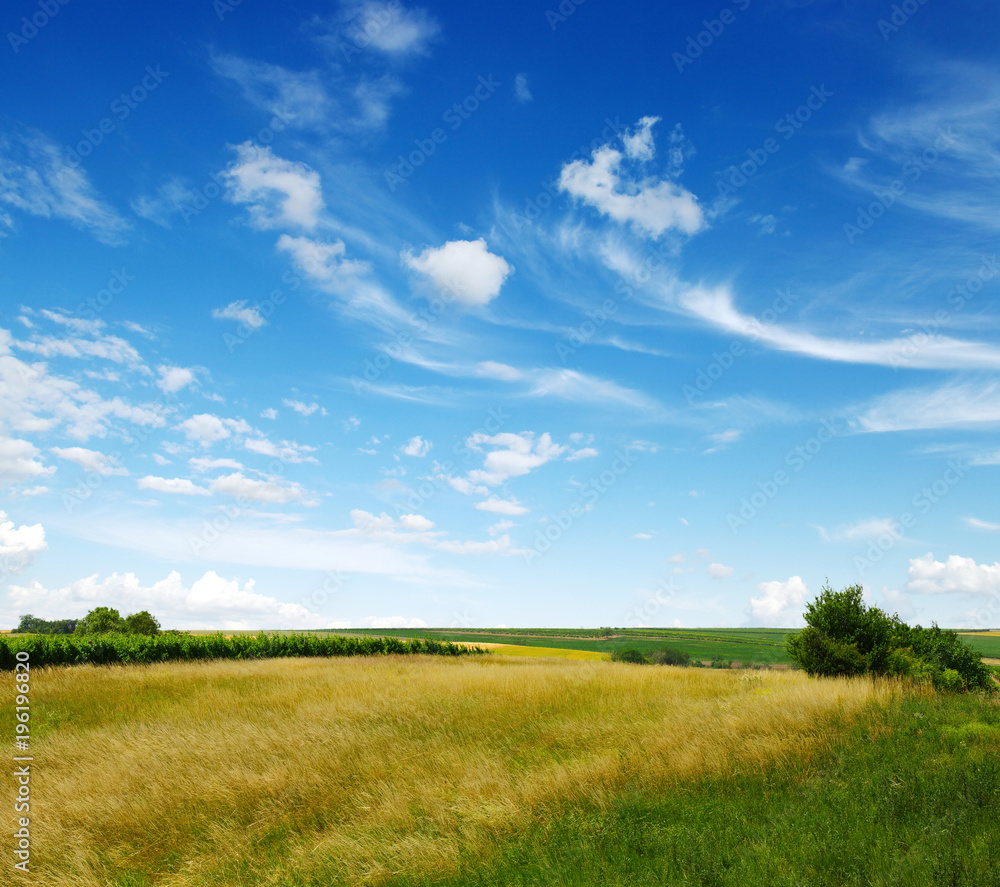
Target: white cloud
{"points": [[199, 463], [35, 178], [869, 528], [206, 429], [269, 413], [173, 379], [977, 524], [276, 192], [416, 522], [90, 460], [297, 98], [211, 602], [642, 536], [676, 559], [302, 408], [957, 575], [389, 27], [19, 461], [19, 546], [780, 603], [651, 205], [465, 269], [241, 487], [416, 446], [239, 312], [584, 453], [959, 404], [501, 526], [103, 347], [175, 485], [938, 352], [521, 90], [582, 388], [502, 506], [286, 450], [719, 571], [516, 455]]}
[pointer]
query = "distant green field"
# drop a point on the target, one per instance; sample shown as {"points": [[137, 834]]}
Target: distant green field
{"points": [[987, 644], [763, 646]]}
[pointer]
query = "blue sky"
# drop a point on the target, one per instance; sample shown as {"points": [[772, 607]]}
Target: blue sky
{"points": [[371, 314]]}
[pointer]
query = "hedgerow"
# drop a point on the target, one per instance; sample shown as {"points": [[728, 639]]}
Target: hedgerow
{"points": [[114, 648]]}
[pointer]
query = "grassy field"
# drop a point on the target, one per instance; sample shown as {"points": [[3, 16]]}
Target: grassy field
{"points": [[381, 771]]}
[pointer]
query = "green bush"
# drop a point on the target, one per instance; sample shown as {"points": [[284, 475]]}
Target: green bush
{"points": [[843, 636], [671, 656], [629, 655]]}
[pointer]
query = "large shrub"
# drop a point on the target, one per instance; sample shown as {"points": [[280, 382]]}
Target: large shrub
{"points": [[844, 636]]}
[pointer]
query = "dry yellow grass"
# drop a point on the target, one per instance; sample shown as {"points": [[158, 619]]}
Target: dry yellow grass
{"points": [[246, 772]]}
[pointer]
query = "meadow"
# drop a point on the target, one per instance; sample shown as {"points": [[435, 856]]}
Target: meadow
{"points": [[385, 770], [503, 770]]}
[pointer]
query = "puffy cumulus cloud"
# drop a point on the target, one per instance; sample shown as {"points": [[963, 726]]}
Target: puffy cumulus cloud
{"points": [[276, 192], [19, 546], [241, 313], [36, 178], [90, 460], [173, 379], [719, 571], [465, 269], [583, 453], [651, 205], [515, 455], [416, 446], [239, 486], [780, 603], [416, 522], [19, 461], [210, 602], [304, 409], [206, 429], [502, 506], [175, 485], [956, 575]]}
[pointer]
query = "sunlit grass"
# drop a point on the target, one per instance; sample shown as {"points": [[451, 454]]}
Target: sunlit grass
{"points": [[324, 771]]}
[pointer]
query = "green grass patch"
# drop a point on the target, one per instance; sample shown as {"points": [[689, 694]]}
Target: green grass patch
{"points": [[909, 797]]}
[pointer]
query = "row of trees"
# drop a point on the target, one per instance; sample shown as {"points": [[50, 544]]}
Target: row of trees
{"points": [[100, 620], [845, 637]]}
